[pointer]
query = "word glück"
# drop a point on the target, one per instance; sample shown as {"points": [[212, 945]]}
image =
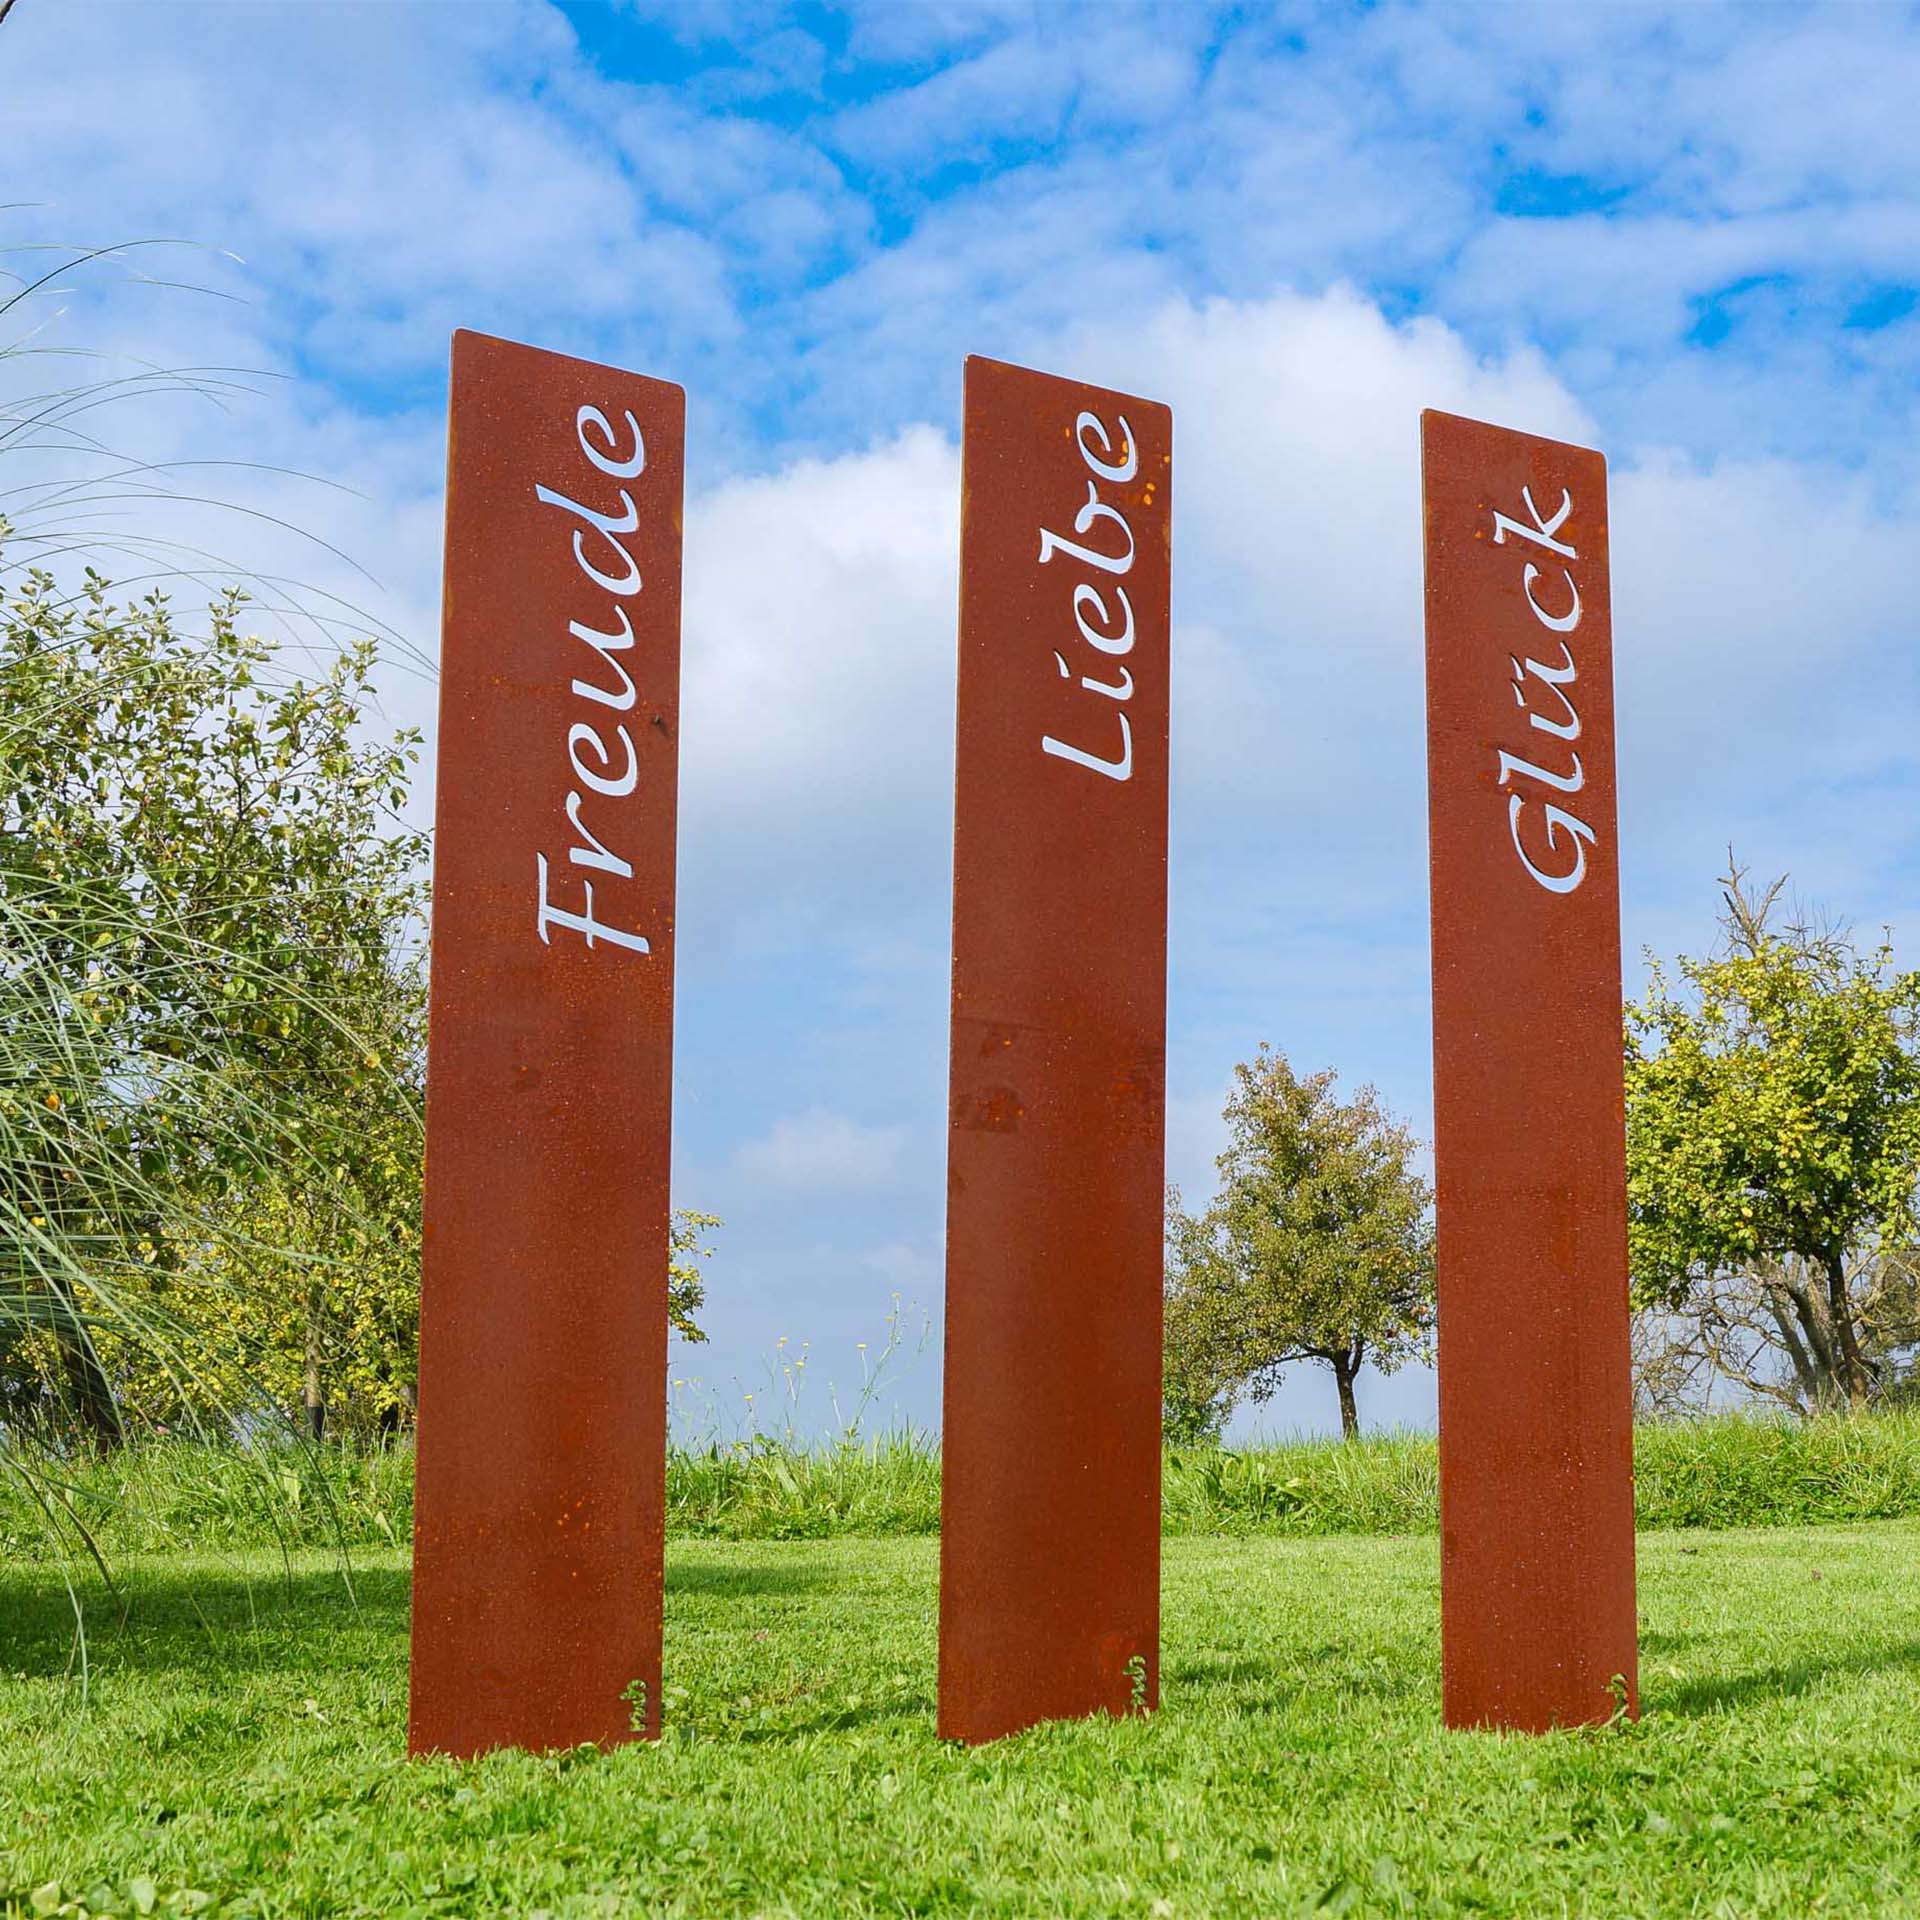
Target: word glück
{"points": [[1113, 635], [619, 577], [1562, 827]]}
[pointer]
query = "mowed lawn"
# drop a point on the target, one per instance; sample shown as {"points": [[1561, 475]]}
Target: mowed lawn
{"points": [[239, 1751]]}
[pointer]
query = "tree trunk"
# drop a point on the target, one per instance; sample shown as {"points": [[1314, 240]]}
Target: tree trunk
{"points": [[1800, 1355], [396, 1416], [1345, 1366], [89, 1391], [1816, 1322], [1855, 1376], [311, 1389]]}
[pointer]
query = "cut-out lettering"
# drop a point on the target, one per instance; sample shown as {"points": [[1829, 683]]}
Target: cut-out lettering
{"points": [[1120, 769], [599, 768], [1107, 628], [1578, 833], [1541, 530], [1536, 680]]}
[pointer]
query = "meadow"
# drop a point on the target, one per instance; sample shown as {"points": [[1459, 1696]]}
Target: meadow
{"points": [[238, 1750], [221, 1731], [161, 1498]]}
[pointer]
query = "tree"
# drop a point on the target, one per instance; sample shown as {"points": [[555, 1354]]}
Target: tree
{"points": [[1318, 1246], [211, 996], [1773, 1139], [209, 898], [305, 1294], [212, 1027]]}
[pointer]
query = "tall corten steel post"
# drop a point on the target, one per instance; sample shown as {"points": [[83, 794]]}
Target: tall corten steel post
{"points": [[1536, 1434], [1050, 1506], [542, 1438]]}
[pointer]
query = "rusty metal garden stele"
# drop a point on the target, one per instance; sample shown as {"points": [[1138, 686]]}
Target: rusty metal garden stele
{"points": [[1050, 1505], [542, 1414], [1536, 1438]]}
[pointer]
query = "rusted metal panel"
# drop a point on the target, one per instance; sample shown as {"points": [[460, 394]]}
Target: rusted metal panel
{"points": [[1050, 1506], [1536, 1433], [541, 1495]]}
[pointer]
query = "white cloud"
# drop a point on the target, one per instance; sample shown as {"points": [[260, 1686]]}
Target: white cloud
{"points": [[816, 717], [821, 1149], [798, 231]]}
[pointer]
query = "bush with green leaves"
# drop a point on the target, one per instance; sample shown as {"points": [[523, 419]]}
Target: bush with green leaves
{"points": [[1773, 1144], [210, 1097]]}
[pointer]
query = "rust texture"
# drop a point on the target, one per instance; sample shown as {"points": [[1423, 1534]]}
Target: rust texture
{"points": [[541, 1493], [1050, 1505], [1536, 1436]]}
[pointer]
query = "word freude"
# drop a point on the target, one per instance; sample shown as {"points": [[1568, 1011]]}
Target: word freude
{"points": [[1562, 831], [1110, 631], [613, 570]]}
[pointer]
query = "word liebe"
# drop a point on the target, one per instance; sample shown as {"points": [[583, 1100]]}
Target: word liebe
{"points": [[1564, 831], [619, 577], [1108, 633]]}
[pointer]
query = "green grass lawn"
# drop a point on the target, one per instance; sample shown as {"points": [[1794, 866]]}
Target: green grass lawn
{"points": [[239, 1750]]}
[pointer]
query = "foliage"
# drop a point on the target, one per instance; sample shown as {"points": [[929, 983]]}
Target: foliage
{"points": [[686, 1284], [310, 1295], [243, 1752], [1773, 1138], [207, 897], [200, 877], [1319, 1246], [211, 1056]]}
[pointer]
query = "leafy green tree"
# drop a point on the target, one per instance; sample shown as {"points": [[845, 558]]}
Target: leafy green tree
{"points": [[306, 1294], [212, 1061], [1773, 1142], [211, 997], [208, 896], [1318, 1247]]}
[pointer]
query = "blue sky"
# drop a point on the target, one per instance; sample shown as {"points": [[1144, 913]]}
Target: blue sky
{"points": [[1689, 235]]}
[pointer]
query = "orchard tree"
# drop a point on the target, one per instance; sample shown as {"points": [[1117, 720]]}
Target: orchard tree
{"points": [[212, 1029], [306, 1292], [1773, 1144], [208, 897], [1318, 1247], [310, 1296]]}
